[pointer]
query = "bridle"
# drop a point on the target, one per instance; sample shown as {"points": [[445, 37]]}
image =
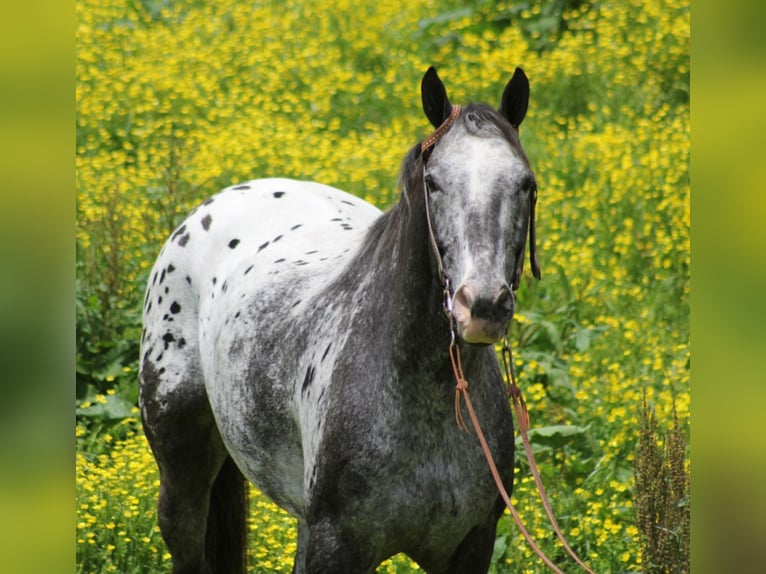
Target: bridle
{"points": [[514, 392], [425, 151]]}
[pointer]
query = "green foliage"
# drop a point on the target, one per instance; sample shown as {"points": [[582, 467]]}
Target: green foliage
{"points": [[176, 100], [540, 21], [663, 504]]}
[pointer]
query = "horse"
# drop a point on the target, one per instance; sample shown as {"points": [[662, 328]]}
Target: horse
{"points": [[296, 337]]}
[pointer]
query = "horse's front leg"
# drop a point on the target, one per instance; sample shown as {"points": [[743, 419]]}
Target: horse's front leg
{"points": [[299, 566], [324, 549], [474, 553]]}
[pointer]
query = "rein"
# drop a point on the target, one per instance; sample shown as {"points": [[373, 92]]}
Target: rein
{"points": [[514, 392]]}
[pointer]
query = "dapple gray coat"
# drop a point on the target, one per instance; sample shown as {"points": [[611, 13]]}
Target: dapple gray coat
{"points": [[296, 336]]}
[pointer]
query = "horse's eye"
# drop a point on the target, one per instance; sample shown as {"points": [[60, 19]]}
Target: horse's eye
{"points": [[529, 184], [431, 185]]}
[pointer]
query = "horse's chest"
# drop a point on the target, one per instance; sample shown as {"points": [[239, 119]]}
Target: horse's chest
{"points": [[433, 495], [419, 478], [448, 476]]}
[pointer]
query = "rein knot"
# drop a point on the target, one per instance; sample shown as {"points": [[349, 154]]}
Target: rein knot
{"points": [[461, 384]]}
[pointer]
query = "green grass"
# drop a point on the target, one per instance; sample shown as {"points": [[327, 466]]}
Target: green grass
{"points": [[176, 100]]}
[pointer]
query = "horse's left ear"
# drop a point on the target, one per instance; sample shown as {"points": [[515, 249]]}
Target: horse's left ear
{"points": [[435, 101], [513, 106]]}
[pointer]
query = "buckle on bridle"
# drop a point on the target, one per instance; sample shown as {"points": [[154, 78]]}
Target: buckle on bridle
{"points": [[447, 302], [447, 308]]}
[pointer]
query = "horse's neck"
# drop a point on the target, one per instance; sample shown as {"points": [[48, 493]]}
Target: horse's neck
{"points": [[419, 329]]}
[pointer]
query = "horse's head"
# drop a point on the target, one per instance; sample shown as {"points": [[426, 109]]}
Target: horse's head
{"points": [[480, 194]]}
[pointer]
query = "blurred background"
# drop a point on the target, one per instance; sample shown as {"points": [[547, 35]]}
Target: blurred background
{"points": [[175, 100]]}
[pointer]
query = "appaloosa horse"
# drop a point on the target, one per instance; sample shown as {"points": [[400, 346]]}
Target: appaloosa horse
{"points": [[296, 336]]}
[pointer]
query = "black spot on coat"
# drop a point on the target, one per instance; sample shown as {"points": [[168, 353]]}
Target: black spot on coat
{"points": [[308, 379], [278, 194], [206, 222], [179, 231], [233, 243], [175, 307], [168, 338], [184, 240]]}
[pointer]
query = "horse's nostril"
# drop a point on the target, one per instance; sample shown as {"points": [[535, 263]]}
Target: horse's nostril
{"points": [[504, 299], [463, 303], [464, 296]]}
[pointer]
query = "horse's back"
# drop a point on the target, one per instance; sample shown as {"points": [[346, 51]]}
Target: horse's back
{"points": [[246, 238], [223, 286]]}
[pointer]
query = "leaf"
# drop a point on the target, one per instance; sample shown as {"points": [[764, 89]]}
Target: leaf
{"points": [[446, 17], [501, 545], [114, 408], [560, 430], [582, 339], [558, 377], [554, 337], [112, 369], [552, 436], [564, 282]]}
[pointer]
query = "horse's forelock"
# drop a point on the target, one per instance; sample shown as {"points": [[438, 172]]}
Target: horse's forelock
{"points": [[476, 117]]}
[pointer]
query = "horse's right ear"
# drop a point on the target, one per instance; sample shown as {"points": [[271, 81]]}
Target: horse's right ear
{"points": [[435, 101]]}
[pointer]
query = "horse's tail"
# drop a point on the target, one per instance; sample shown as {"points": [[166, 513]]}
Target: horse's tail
{"points": [[226, 536]]}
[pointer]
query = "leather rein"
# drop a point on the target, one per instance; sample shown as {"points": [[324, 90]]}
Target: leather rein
{"points": [[514, 392]]}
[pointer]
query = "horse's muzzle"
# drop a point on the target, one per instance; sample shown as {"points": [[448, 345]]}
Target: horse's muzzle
{"points": [[482, 319]]}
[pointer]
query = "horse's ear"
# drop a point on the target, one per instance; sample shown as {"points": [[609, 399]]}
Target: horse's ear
{"points": [[435, 101], [513, 106]]}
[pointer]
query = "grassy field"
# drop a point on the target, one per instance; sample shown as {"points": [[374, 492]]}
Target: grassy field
{"points": [[177, 99]]}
